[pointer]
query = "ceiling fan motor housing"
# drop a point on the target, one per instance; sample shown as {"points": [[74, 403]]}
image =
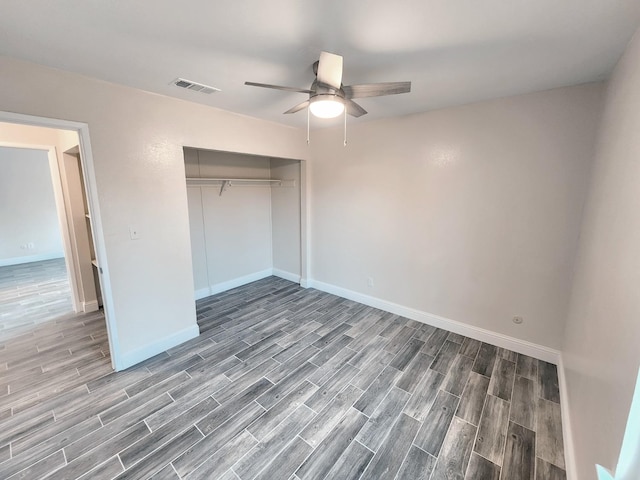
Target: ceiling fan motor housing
{"points": [[318, 89]]}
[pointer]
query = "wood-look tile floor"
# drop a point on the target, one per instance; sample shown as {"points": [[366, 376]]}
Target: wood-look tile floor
{"points": [[282, 383], [32, 293]]}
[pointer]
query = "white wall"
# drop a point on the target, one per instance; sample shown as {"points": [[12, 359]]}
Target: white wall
{"points": [[471, 213], [285, 218], [27, 207], [137, 140], [602, 339]]}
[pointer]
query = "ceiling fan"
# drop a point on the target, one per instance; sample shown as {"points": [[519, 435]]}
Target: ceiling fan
{"points": [[328, 97]]}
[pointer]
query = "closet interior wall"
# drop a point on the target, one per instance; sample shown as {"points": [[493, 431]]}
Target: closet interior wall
{"points": [[247, 232], [286, 220]]}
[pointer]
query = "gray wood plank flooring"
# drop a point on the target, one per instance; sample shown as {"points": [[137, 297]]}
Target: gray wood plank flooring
{"points": [[283, 383], [32, 293]]}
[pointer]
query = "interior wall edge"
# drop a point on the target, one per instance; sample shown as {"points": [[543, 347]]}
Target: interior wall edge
{"points": [[504, 341], [138, 355]]}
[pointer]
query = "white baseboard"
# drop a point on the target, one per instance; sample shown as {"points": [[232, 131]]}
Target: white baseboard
{"points": [[127, 360], [238, 282], [5, 262], [202, 293], [292, 277], [567, 433], [521, 346], [91, 306], [229, 284]]}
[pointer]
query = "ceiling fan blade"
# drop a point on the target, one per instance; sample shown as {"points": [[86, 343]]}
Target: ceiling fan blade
{"points": [[376, 89], [354, 109], [278, 87], [297, 108], [330, 70]]}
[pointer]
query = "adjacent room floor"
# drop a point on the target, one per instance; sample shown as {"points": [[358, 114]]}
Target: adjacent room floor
{"points": [[282, 383], [32, 293]]}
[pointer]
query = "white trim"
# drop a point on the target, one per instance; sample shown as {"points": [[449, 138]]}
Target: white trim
{"points": [[229, 284], [292, 277], [140, 354], [5, 262], [240, 281], [521, 346], [202, 293], [567, 434], [91, 306], [12, 117], [104, 275]]}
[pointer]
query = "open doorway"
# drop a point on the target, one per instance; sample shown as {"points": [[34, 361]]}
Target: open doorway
{"points": [[73, 264], [34, 284]]}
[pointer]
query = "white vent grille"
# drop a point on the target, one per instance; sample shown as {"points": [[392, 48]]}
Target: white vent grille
{"points": [[195, 86]]}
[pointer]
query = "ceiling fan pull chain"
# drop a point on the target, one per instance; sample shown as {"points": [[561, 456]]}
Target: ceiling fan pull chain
{"points": [[345, 127], [308, 120]]}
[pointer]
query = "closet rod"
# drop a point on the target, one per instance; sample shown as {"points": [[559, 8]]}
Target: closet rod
{"points": [[238, 182]]}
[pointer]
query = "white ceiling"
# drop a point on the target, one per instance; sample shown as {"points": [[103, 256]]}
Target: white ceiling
{"points": [[454, 51]]}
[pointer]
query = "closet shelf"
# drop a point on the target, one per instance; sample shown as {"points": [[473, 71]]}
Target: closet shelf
{"points": [[225, 183]]}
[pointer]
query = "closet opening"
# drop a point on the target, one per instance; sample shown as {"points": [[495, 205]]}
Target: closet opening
{"points": [[246, 218]]}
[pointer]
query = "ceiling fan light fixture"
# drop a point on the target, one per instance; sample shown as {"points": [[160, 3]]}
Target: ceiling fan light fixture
{"points": [[326, 106]]}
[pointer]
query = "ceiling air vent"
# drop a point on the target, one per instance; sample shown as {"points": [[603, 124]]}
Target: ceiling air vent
{"points": [[195, 86]]}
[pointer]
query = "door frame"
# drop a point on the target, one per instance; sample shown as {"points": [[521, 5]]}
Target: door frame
{"points": [[63, 219], [88, 171]]}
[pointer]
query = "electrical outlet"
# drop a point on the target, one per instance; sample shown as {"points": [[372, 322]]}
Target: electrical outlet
{"points": [[369, 282], [517, 320]]}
